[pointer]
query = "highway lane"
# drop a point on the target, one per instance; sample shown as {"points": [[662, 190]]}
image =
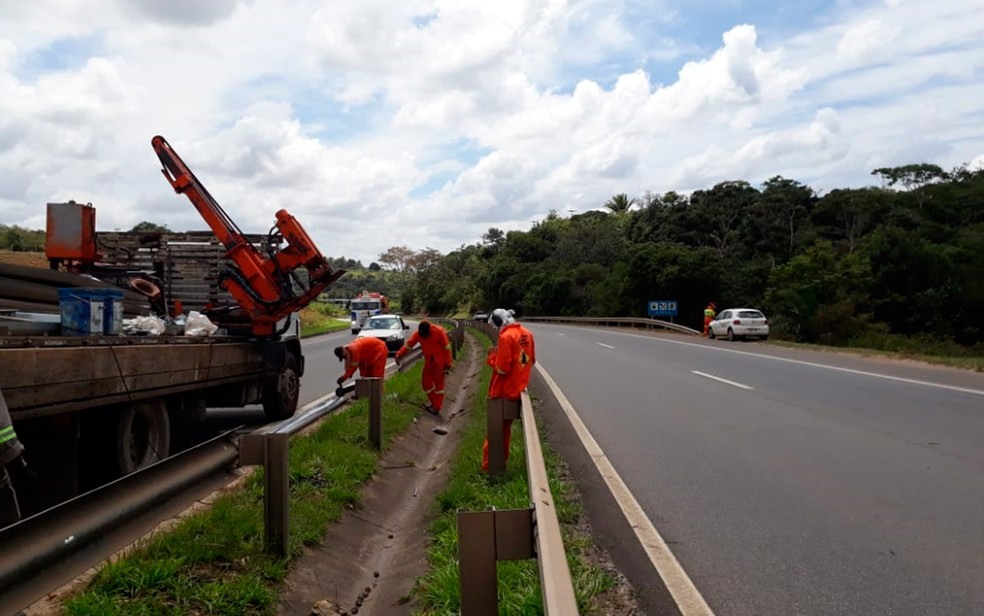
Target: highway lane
{"points": [[321, 367], [785, 487]]}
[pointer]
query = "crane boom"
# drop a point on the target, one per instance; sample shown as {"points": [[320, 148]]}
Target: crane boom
{"points": [[265, 286]]}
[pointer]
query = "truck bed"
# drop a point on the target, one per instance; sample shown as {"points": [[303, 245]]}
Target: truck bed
{"points": [[50, 375]]}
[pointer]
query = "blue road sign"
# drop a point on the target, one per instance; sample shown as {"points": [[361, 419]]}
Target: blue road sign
{"points": [[663, 308]]}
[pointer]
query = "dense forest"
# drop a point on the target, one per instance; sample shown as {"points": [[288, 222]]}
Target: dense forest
{"points": [[899, 266]]}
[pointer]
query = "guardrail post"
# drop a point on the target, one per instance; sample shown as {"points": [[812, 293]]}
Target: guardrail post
{"points": [[372, 388], [484, 538], [497, 410], [270, 451]]}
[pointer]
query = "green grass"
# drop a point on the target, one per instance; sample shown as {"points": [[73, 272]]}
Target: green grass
{"points": [[321, 318], [439, 592], [213, 562]]}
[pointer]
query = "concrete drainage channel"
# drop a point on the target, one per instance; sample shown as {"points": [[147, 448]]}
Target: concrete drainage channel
{"points": [[388, 530]]}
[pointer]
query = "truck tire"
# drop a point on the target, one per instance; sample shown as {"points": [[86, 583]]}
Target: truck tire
{"points": [[280, 397], [143, 436]]}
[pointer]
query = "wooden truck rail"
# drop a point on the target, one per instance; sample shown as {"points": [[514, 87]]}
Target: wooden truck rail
{"points": [[48, 376]]}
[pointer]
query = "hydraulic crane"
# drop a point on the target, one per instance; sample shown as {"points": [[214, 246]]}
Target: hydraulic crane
{"points": [[265, 286]]}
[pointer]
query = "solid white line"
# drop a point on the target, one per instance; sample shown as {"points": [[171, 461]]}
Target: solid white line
{"points": [[607, 346], [719, 379], [887, 377], [688, 599]]}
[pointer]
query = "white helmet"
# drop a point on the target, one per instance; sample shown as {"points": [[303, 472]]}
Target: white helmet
{"points": [[501, 317]]}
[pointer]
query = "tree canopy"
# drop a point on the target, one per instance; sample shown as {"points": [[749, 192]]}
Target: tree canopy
{"points": [[876, 266]]}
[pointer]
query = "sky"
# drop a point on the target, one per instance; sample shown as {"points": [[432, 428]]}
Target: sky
{"points": [[423, 123]]}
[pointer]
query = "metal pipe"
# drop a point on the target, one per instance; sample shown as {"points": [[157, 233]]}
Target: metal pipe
{"points": [[34, 544]]}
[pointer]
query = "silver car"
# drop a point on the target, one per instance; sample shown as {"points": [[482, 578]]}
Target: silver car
{"points": [[735, 323]]}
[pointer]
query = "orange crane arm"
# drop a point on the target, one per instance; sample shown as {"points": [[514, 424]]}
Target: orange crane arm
{"points": [[264, 285]]}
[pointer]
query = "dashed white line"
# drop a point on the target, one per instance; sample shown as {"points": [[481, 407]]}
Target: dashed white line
{"points": [[560, 333], [607, 346], [876, 375], [720, 380], [688, 599]]}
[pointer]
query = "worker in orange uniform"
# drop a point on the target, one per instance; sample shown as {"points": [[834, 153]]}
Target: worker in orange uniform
{"points": [[367, 354], [709, 316], [512, 362], [436, 347]]}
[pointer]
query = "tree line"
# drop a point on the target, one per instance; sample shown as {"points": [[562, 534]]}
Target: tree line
{"points": [[899, 265]]}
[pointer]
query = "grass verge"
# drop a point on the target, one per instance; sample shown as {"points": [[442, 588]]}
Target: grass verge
{"points": [[213, 562], [321, 319], [439, 591]]}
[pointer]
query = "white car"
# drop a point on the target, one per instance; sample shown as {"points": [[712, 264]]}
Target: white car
{"points": [[390, 328], [735, 323]]}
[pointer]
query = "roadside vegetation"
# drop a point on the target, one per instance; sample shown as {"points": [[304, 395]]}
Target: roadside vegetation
{"points": [[321, 318], [213, 561], [898, 266], [439, 591]]}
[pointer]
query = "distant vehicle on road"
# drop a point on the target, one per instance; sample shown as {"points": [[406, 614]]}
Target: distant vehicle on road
{"points": [[737, 323], [367, 305], [480, 316], [390, 328]]}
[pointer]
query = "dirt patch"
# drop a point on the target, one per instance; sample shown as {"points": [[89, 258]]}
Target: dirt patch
{"points": [[370, 560], [30, 259]]}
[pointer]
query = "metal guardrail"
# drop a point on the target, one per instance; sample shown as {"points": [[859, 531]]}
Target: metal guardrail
{"points": [[617, 322], [269, 448], [486, 537], [48, 549]]}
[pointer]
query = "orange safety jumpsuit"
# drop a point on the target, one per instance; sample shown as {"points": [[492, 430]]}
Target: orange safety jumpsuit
{"points": [[437, 357], [708, 317], [512, 362], [368, 355]]}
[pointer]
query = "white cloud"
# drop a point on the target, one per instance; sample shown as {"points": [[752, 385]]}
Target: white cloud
{"points": [[437, 119]]}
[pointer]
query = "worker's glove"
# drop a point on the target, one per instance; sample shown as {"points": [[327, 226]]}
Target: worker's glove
{"points": [[20, 472], [447, 370], [398, 359], [340, 380]]}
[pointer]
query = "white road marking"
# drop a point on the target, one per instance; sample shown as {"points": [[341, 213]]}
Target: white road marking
{"points": [[560, 333], [688, 599], [887, 377], [607, 346], [720, 380]]}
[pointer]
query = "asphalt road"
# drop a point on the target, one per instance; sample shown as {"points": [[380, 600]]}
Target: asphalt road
{"points": [[801, 483]]}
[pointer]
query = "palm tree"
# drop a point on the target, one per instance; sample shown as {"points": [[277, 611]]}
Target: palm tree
{"points": [[620, 204]]}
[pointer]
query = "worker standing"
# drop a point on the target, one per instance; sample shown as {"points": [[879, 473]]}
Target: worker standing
{"points": [[436, 346], [12, 467], [368, 355], [512, 362], [709, 316]]}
